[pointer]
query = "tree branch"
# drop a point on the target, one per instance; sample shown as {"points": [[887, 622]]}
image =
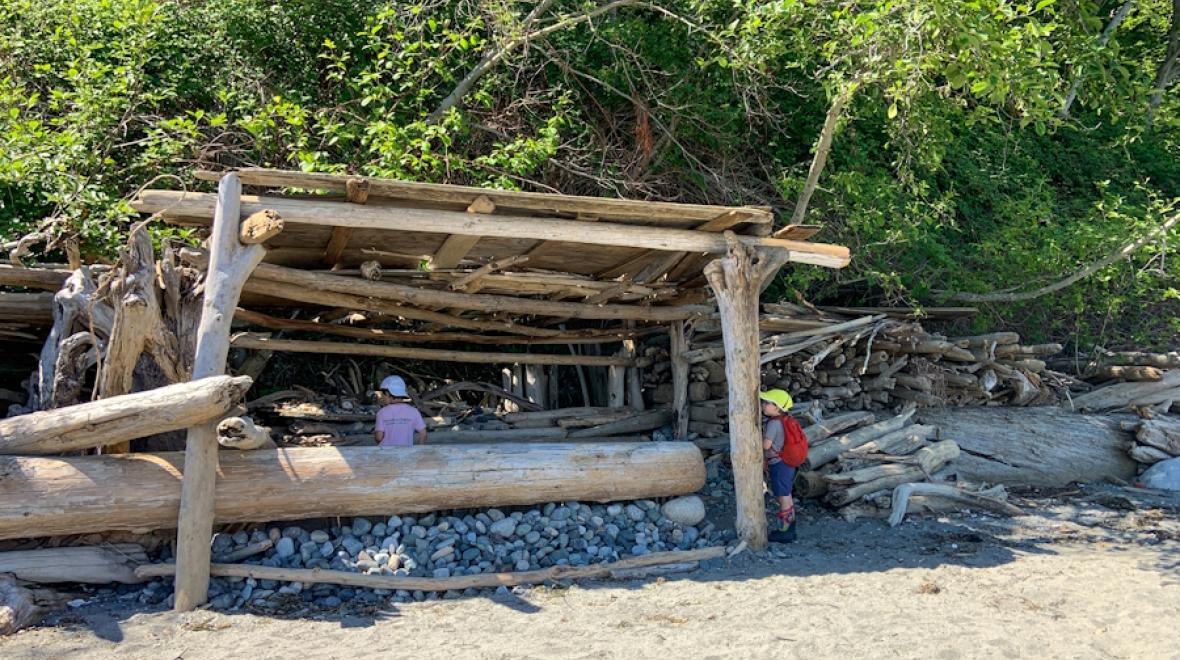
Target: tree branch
{"points": [[821, 151], [1121, 253], [496, 55], [1106, 34]]}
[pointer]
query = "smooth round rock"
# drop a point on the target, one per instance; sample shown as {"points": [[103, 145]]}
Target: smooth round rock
{"points": [[687, 510]]}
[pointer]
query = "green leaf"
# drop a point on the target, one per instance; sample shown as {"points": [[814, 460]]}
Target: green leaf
{"points": [[892, 111]]}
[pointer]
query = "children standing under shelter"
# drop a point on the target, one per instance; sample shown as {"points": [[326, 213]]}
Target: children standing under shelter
{"points": [[785, 449], [398, 424]]}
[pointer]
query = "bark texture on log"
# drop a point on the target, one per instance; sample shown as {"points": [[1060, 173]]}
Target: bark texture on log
{"points": [[141, 491], [1040, 446], [733, 279], [121, 418]]}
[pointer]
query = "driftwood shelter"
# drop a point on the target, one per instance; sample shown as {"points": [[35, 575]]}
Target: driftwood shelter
{"points": [[455, 265]]}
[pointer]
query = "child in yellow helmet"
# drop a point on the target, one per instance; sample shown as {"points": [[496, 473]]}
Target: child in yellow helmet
{"points": [[775, 404]]}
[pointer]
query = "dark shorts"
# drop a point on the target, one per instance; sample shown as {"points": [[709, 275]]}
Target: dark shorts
{"points": [[781, 477]]}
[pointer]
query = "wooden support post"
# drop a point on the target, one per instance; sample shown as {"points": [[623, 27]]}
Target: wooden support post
{"points": [[230, 263], [535, 389], [678, 345], [634, 382], [616, 385], [735, 280], [509, 405]]}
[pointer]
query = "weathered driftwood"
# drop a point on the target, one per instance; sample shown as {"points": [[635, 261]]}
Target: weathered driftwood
{"points": [[44, 496], [939, 455], [1123, 395], [928, 459], [1136, 373], [310, 211], [1038, 446], [89, 564], [1148, 455], [903, 441], [829, 427], [250, 550], [230, 264], [459, 582], [1163, 434], [990, 499], [17, 607], [829, 450], [1157, 360], [736, 284], [119, 418], [677, 347], [242, 433], [259, 342], [644, 421]]}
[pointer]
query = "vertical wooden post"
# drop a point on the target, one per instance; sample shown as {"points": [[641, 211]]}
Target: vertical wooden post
{"points": [[634, 384], [230, 263], [735, 280], [506, 383], [535, 389], [616, 385], [677, 346]]}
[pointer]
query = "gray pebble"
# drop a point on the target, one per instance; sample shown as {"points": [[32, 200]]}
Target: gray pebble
{"points": [[442, 572], [319, 536], [285, 547], [504, 527], [361, 526], [635, 513]]}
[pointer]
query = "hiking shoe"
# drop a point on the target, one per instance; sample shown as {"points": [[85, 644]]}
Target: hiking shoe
{"points": [[779, 536]]}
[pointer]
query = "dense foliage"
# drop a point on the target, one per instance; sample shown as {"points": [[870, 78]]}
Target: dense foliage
{"points": [[955, 165]]}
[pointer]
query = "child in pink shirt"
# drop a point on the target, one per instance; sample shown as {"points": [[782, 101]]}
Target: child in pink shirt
{"points": [[398, 424]]}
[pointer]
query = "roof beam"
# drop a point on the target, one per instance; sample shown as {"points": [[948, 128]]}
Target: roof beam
{"points": [[180, 205]]}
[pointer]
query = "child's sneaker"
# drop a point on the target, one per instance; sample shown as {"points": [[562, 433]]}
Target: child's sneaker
{"points": [[783, 536]]}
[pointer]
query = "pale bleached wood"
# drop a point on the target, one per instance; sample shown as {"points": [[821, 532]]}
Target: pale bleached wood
{"points": [[928, 459], [47, 278], [459, 582], [829, 427], [605, 208], [242, 433], [47, 496], [644, 421], [119, 418], [18, 608], [1162, 433], [260, 227], [734, 281], [1122, 395], [988, 500], [827, 451], [452, 251], [172, 204], [260, 342], [85, 564], [230, 264]]}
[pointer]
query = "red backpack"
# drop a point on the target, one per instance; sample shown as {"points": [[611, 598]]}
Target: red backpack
{"points": [[794, 451]]}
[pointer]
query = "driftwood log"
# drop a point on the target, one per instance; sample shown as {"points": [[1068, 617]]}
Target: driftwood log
{"points": [[121, 418], [242, 433], [482, 581], [1040, 446], [830, 449], [86, 564], [989, 500], [45, 496]]}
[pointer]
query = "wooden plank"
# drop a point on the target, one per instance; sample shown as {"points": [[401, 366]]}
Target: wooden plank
{"points": [[452, 251], [303, 211], [47, 278], [602, 207], [260, 343]]}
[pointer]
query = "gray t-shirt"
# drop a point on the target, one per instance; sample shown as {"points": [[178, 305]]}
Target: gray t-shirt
{"points": [[774, 431]]}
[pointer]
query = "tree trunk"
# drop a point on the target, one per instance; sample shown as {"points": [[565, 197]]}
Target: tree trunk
{"points": [[1039, 446], [121, 418], [230, 264], [734, 281], [43, 496]]}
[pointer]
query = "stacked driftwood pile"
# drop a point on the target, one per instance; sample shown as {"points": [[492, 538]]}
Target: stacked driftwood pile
{"points": [[1155, 440], [865, 467], [1127, 380], [872, 362]]}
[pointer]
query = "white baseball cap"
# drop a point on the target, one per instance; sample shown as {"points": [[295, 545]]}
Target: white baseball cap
{"points": [[394, 385]]}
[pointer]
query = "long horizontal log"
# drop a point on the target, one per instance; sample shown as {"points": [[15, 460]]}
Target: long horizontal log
{"points": [[1036, 446], [260, 343], [829, 427], [1136, 358], [309, 576], [172, 204], [49, 279], [589, 336], [483, 302], [120, 418], [31, 308], [1122, 395], [85, 564], [645, 421], [601, 207], [47, 496]]}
